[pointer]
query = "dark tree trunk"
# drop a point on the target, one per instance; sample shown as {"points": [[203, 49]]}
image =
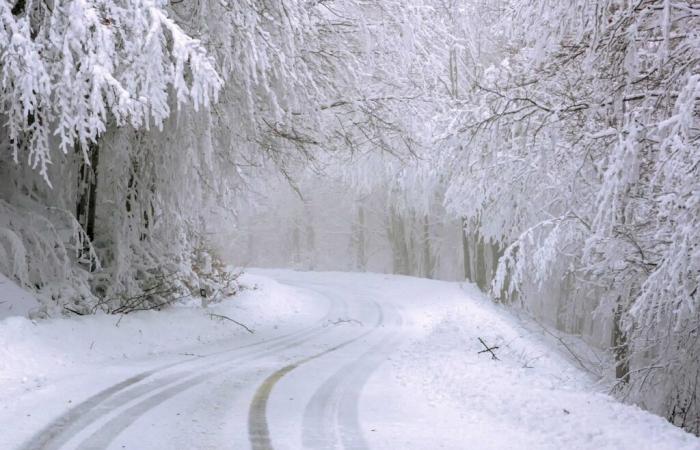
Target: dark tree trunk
{"points": [[398, 239], [87, 198], [480, 263]]}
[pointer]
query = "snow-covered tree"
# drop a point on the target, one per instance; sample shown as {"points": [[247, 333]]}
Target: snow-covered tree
{"points": [[563, 151], [547, 151], [112, 117], [71, 71]]}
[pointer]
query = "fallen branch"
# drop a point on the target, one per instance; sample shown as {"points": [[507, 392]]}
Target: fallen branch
{"points": [[566, 346], [221, 317], [488, 349], [73, 311]]}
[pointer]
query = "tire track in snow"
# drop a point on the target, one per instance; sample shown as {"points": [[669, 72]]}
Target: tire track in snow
{"points": [[331, 417], [258, 428], [59, 431], [103, 436]]}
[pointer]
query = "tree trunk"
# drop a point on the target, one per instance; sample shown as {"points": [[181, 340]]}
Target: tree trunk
{"points": [[310, 242], [480, 263], [496, 254], [87, 199], [399, 246], [296, 245], [361, 261], [466, 253], [619, 342], [428, 262]]}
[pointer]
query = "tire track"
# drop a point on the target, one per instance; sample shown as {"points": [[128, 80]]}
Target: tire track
{"points": [[59, 431], [331, 417], [106, 433], [258, 428]]}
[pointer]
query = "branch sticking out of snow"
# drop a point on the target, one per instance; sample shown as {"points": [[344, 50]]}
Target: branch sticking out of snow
{"points": [[489, 349], [222, 317]]}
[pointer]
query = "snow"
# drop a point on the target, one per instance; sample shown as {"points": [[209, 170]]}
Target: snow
{"points": [[431, 390], [79, 354], [15, 301], [46, 348], [533, 397]]}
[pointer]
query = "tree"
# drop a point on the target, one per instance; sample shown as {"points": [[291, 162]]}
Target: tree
{"points": [[568, 138]]}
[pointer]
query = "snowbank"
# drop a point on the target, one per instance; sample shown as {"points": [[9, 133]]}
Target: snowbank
{"points": [[33, 354], [15, 301], [534, 396]]}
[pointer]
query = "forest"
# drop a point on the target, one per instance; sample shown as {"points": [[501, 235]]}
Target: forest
{"points": [[546, 151]]}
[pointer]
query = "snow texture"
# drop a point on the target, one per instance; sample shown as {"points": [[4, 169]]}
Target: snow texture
{"points": [[433, 390]]}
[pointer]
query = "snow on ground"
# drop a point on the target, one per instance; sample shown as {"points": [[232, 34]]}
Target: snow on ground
{"points": [[533, 397], [443, 393], [433, 391], [15, 301], [37, 354]]}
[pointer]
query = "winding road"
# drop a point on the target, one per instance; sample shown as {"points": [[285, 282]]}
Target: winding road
{"points": [[337, 361], [300, 389]]}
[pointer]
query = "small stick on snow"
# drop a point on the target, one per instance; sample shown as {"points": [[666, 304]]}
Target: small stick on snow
{"points": [[488, 349], [73, 311], [561, 341], [221, 317]]}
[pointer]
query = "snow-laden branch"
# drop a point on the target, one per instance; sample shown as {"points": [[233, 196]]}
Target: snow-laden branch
{"points": [[67, 71]]}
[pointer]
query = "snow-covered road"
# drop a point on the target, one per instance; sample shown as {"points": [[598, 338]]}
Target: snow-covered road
{"points": [[337, 361]]}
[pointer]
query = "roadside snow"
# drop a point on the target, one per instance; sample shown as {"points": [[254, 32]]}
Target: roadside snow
{"points": [[15, 301], [533, 397], [438, 391], [435, 391], [34, 354]]}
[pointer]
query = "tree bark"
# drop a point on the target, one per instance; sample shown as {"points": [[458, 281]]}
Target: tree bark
{"points": [[620, 347], [87, 197], [296, 245], [480, 263], [466, 253], [428, 262], [399, 246], [310, 250], [361, 262]]}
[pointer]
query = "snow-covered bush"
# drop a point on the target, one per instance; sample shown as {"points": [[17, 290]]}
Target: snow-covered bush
{"points": [[42, 249]]}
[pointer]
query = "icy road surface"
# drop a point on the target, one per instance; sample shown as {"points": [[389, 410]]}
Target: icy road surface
{"points": [[336, 361]]}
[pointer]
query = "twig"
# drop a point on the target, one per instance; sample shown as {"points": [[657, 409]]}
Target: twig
{"points": [[488, 349], [221, 317], [73, 311], [561, 341]]}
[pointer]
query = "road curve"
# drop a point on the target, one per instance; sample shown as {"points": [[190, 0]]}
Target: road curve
{"points": [[319, 377], [323, 365]]}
